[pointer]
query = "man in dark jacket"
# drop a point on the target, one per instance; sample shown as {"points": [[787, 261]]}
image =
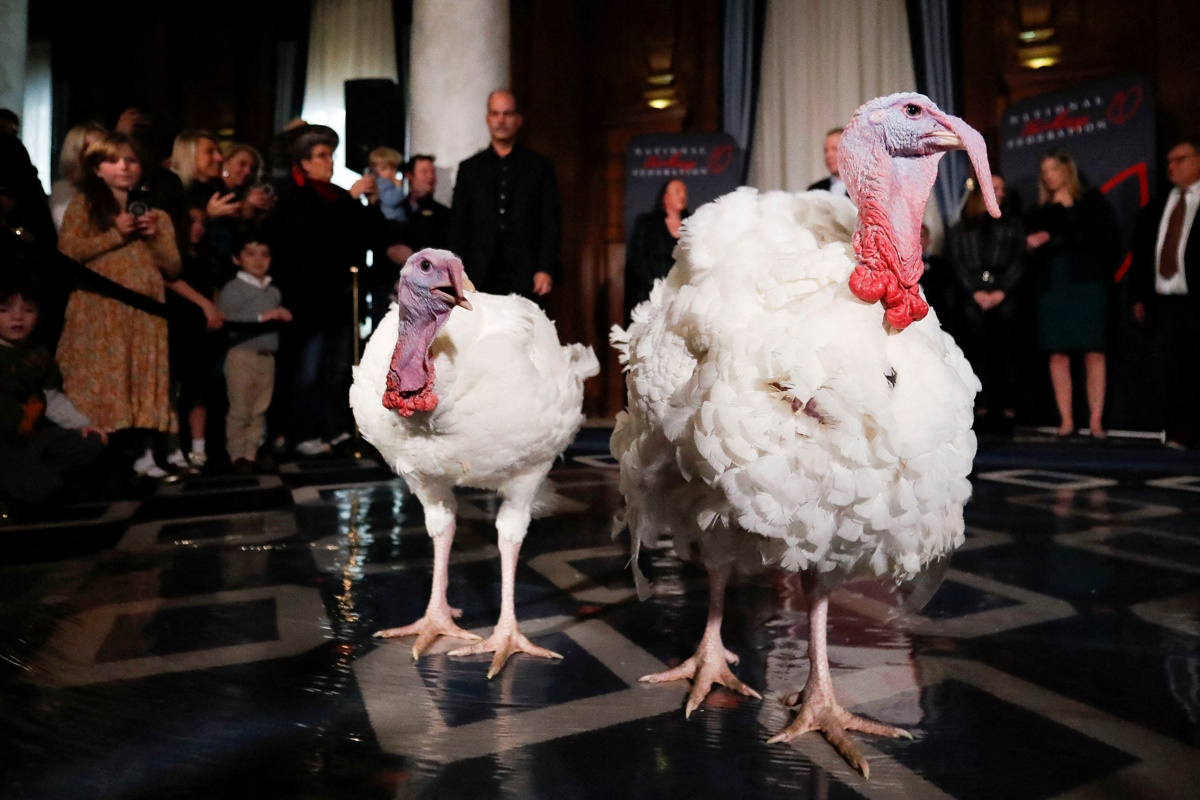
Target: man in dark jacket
{"points": [[1164, 283], [505, 218], [833, 182]]}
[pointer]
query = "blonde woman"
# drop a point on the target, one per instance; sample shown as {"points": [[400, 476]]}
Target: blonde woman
{"points": [[1072, 238], [240, 174], [70, 168], [197, 160]]}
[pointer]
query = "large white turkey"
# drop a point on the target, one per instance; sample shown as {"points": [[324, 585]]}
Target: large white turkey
{"points": [[779, 414], [457, 388]]}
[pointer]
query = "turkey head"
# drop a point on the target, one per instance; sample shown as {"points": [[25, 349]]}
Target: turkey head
{"points": [[888, 159], [431, 285]]}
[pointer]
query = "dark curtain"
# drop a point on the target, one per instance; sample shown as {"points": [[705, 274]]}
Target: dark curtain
{"points": [[291, 66], [934, 29], [742, 63]]}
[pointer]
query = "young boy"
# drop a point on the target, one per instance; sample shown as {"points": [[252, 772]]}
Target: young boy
{"points": [[385, 163], [42, 434], [250, 363]]}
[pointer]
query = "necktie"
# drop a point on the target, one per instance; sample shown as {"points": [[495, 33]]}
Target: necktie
{"points": [[1168, 262]]}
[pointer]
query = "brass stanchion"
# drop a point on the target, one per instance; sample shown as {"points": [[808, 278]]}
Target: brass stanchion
{"points": [[354, 293]]}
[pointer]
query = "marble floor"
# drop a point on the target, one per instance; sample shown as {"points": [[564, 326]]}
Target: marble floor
{"points": [[211, 638]]}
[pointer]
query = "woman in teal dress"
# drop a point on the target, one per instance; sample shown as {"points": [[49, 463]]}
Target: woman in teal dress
{"points": [[1073, 240]]}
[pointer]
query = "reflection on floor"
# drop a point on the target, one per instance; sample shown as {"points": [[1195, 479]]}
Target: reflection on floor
{"points": [[213, 639]]}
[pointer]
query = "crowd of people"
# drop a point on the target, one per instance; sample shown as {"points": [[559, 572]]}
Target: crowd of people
{"points": [[196, 307], [173, 312]]}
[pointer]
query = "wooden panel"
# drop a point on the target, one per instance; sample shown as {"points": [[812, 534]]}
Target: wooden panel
{"points": [[580, 71]]}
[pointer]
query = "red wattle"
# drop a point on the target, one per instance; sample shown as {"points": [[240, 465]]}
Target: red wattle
{"points": [[408, 403]]}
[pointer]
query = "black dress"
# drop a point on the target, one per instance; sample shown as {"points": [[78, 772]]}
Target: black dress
{"points": [[1072, 271], [650, 257]]}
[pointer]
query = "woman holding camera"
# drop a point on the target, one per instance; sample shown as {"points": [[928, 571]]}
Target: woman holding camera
{"points": [[113, 355], [240, 174]]}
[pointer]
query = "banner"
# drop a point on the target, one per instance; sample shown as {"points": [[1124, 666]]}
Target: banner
{"points": [[709, 164], [1107, 126]]}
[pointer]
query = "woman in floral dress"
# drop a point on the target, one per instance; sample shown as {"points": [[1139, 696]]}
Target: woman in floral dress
{"points": [[114, 356]]}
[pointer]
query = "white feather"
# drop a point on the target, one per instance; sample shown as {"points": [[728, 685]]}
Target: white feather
{"points": [[762, 406]]}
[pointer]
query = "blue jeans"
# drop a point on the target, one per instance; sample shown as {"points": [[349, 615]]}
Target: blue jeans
{"points": [[320, 394]]}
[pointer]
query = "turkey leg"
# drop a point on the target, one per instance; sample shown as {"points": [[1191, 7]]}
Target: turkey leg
{"points": [[711, 662], [819, 709], [439, 616], [506, 639]]}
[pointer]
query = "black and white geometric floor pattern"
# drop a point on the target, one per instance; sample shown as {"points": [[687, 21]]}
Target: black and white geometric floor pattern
{"points": [[213, 639]]}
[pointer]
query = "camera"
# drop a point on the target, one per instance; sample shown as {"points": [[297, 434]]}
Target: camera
{"points": [[138, 201]]}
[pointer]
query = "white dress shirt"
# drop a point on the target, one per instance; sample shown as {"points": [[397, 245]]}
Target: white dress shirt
{"points": [[1177, 284], [836, 187]]}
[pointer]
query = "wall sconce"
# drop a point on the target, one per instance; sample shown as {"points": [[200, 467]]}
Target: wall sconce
{"points": [[662, 95], [1036, 26]]}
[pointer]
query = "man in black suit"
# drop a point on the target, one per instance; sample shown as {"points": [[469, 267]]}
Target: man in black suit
{"points": [[504, 219], [833, 184], [1165, 287]]}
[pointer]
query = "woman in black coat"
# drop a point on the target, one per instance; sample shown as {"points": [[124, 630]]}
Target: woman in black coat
{"points": [[655, 235], [318, 231], [987, 259]]}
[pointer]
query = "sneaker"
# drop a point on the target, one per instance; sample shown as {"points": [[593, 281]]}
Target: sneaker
{"points": [[147, 467], [177, 460], [197, 460], [313, 447], [341, 437]]}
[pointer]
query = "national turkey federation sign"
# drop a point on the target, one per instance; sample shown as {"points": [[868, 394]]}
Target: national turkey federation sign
{"points": [[710, 164], [1107, 126]]}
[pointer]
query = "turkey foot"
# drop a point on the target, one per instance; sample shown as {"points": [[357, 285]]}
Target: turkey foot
{"points": [[504, 641], [819, 711], [428, 628], [708, 666]]}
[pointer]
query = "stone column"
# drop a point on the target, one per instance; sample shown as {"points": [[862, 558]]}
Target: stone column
{"points": [[14, 36], [459, 56]]}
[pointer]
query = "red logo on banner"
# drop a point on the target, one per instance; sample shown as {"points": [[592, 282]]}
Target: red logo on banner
{"points": [[674, 162], [1124, 105], [1063, 122], [719, 158], [1136, 171]]}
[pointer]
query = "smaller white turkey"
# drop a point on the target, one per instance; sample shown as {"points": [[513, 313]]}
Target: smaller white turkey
{"points": [[458, 388]]}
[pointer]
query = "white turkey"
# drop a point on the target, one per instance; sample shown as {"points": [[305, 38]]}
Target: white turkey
{"points": [[779, 415], [457, 388]]}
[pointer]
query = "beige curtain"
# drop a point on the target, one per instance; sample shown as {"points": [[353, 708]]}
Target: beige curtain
{"points": [[821, 60], [349, 39]]}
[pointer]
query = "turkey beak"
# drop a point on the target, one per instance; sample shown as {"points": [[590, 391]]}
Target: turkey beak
{"points": [[462, 284], [967, 138]]}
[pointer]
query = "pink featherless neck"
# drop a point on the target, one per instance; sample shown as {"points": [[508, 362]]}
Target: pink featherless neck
{"points": [[888, 159]]}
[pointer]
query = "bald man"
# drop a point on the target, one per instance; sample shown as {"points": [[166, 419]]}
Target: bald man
{"points": [[505, 218]]}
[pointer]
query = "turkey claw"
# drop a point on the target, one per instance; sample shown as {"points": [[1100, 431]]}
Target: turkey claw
{"points": [[704, 670], [427, 630], [833, 722], [503, 643]]}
